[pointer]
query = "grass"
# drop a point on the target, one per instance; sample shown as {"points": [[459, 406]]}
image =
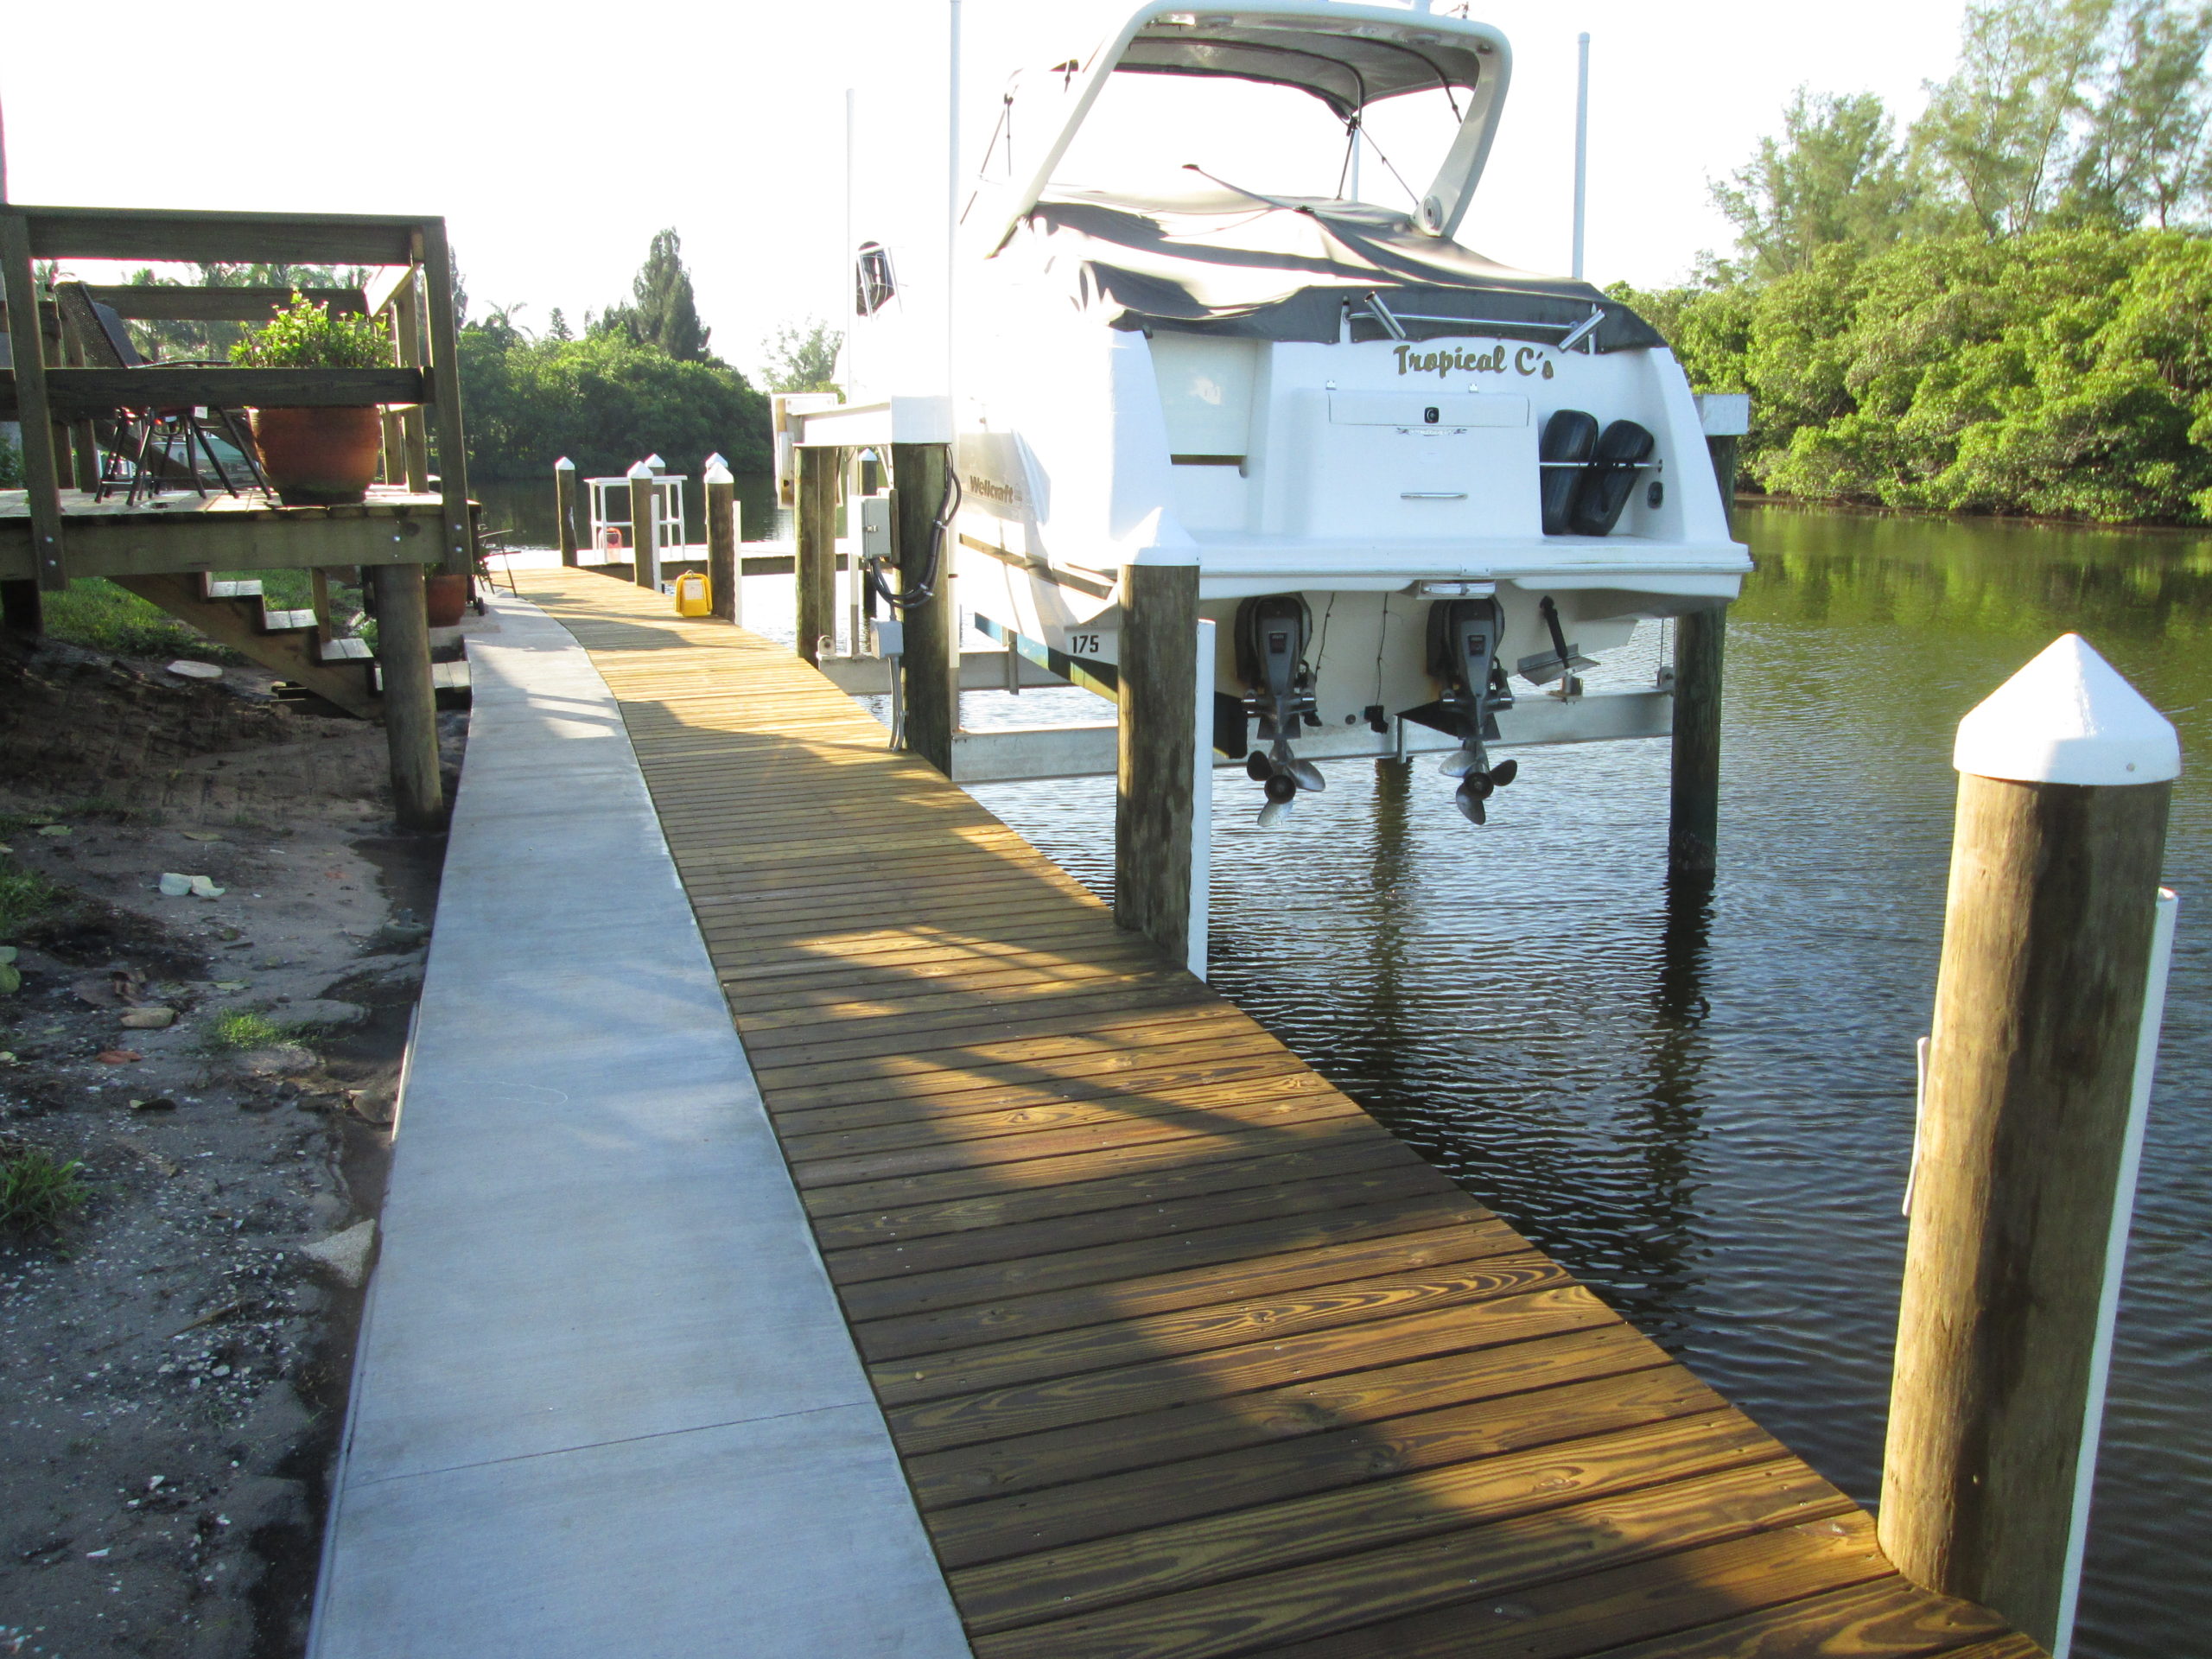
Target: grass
{"points": [[38, 1191], [25, 895], [240, 1029]]}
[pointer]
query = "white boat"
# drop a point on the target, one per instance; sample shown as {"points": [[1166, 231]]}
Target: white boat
{"points": [[1418, 485]]}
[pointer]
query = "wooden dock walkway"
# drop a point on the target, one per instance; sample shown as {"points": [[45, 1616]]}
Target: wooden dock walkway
{"points": [[1185, 1355]]}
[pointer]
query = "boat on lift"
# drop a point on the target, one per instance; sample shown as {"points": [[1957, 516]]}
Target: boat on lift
{"points": [[1417, 484]]}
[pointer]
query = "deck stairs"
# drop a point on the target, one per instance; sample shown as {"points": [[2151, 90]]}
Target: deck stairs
{"points": [[296, 645]]}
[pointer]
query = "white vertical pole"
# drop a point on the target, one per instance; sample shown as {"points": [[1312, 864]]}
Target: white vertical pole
{"points": [[2123, 1217], [845, 275], [952, 199], [1581, 142], [1202, 803]]}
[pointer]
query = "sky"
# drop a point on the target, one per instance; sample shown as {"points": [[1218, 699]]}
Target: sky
{"points": [[557, 141]]}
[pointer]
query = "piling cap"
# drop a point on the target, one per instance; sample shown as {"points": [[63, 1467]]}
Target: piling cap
{"points": [[712, 462], [564, 464], [718, 471], [2067, 718], [639, 469]]}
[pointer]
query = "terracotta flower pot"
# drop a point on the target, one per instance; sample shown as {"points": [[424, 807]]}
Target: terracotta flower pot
{"points": [[318, 457], [444, 598]]}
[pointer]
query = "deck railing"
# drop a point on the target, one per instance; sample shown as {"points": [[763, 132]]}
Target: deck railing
{"points": [[50, 392]]}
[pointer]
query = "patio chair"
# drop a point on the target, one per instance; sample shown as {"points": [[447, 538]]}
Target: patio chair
{"points": [[151, 430]]}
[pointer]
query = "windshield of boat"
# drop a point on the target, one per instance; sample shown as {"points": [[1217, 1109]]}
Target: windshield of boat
{"points": [[1147, 129]]}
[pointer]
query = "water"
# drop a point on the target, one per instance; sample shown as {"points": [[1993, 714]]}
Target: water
{"points": [[1703, 1103]]}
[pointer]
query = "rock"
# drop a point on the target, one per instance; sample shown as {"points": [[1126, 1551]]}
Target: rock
{"points": [[200, 834], [277, 1060], [174, 885], [149, 1019], [185, 670], [346, 1254], [118, 1056], [57, 830]]}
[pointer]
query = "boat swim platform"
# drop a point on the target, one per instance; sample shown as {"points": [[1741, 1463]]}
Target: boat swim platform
{"points": [[1179, 1352]]}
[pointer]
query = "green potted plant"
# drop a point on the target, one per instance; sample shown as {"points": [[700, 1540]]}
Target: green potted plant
{"points": [[316, 457]]}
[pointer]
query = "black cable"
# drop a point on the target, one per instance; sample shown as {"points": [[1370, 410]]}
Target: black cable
{"points": [[923, 591]]}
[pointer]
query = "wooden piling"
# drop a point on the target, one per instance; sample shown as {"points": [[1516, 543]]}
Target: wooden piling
{"points": [[814, 566], [1701, 641], [2030, 1077], [931, 663], [1156, 754], [410, 713], [725, 571], [564, 506], [39, 453], [645, 539]]}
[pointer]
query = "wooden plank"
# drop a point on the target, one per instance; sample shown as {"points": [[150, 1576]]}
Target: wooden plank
{"points": [[218, 237], [1106, 1506], [1154, 1385], [1008, 1209], [1422, 1561], [1005, 1318], [1163, 1561], [44, 555], [77, 392], [1313, 1227], [1683, 1594], [1006, 1242], [982, 1477]]}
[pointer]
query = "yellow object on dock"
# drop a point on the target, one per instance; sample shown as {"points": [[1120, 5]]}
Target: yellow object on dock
{"points": [[693, 597], [1185, 1356]]}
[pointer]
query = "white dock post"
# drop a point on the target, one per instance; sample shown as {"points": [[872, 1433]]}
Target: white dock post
{"points": [[2038, 1069]]}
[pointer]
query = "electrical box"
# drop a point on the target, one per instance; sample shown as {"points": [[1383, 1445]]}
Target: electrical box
{"points": [[890, 636], [875, 525]]}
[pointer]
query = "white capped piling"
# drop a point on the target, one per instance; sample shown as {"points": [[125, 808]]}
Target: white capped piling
{"points": [[724, 569], [2039, 1065], [644, 540], [564, 506]]}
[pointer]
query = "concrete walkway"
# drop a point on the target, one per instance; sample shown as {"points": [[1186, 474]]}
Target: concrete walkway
{"points": [[605, 1404]]}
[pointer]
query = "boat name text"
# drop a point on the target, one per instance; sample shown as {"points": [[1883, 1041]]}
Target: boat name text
{"points": [[1526, 360]]}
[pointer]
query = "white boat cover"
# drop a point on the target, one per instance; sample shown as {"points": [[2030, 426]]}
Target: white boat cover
{"points": [[1290, 268]]}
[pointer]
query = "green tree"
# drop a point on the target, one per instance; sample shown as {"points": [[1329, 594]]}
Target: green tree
{"points": [[1835, 174], [2144, 157], [801, 357], [662, 310], [603, 400], [1998, 134]]}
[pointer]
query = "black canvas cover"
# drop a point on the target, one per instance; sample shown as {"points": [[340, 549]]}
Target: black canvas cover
{"points": [[1285, 268]]}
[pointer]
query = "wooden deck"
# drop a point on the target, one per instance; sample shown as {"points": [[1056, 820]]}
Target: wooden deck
{"points": [[1185, 1355], [182, 532]]}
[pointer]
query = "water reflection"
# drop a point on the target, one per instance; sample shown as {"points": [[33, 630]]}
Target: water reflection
{"points": [[1700, 1096]]}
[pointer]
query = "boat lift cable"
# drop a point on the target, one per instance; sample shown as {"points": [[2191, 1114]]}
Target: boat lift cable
{"points": [[923, 592]]}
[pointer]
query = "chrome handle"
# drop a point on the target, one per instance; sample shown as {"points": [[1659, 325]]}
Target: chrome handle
{"points": [[1432, 495]]}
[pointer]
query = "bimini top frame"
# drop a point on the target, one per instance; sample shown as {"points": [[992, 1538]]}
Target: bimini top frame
{"points": [[1347, 56]]}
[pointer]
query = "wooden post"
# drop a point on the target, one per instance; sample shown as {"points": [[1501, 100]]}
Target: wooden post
{"points": [[407, 349], [1155, 748], [1700, 639], [564, 506], [814, 569], [2032, 1075], [436, 278], [27, 344], [930, 661], [645, 538], [410, 710], [725, 571]]}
